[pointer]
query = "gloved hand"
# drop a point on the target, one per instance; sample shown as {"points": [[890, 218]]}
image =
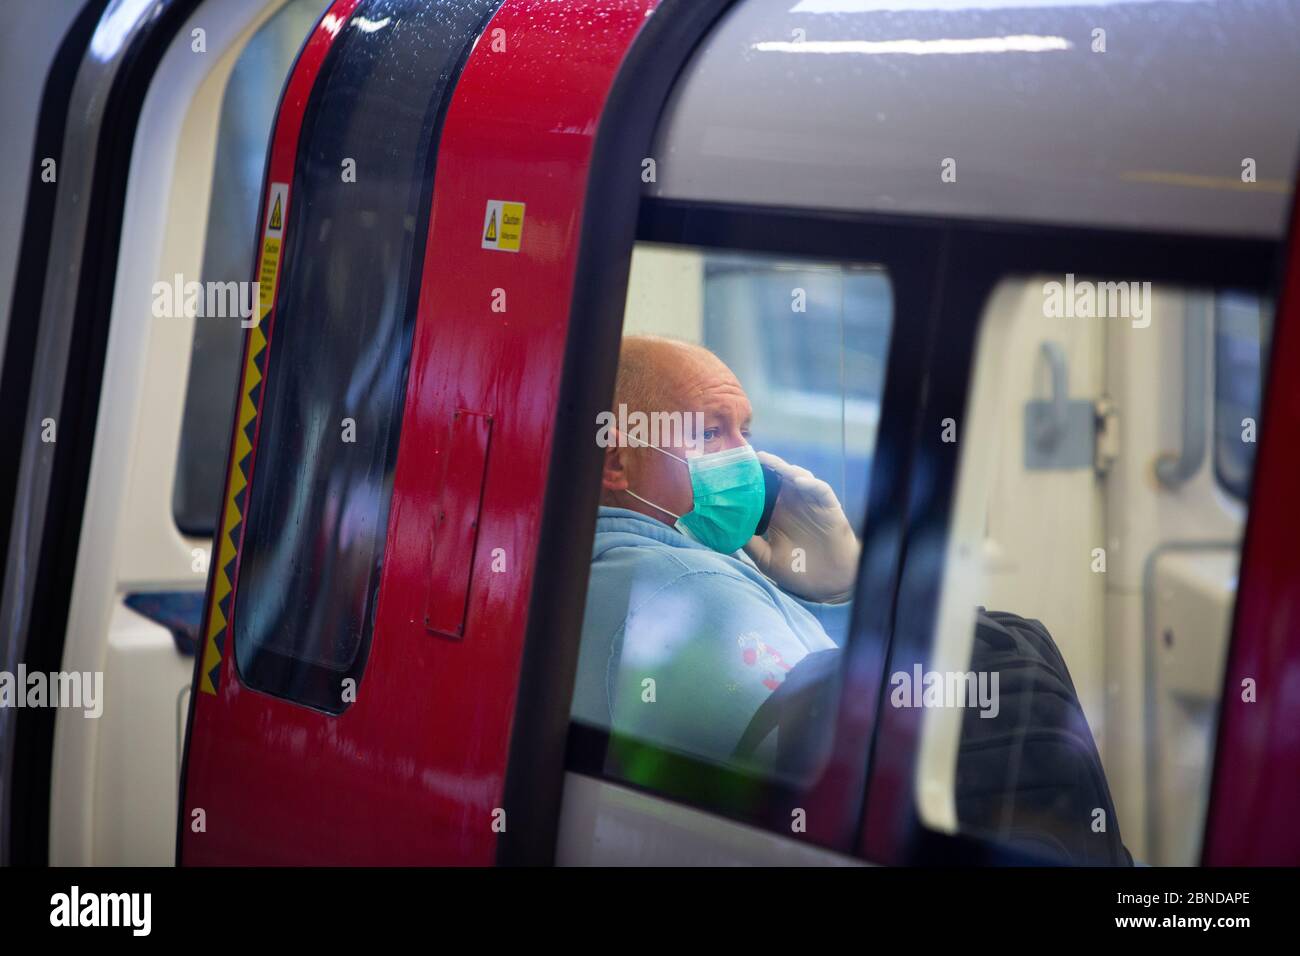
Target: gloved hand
{"points": [[807, 516]]}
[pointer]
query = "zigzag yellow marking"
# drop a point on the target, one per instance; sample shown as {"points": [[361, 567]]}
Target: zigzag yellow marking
{"points": [[218, 621], [221, 588], [227, 552], [254, 350], [236, 481], [232, 513], [210, 656], [247, 412], [211, 653]]}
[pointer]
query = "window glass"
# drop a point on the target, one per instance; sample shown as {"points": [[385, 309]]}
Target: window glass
{"points": [[1068, 703], [1240, 343], [247, 111], [818, 380], [699, 639], [317, 513]]}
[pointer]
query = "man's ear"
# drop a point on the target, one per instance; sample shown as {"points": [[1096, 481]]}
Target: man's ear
{"points": [[613, 476]]}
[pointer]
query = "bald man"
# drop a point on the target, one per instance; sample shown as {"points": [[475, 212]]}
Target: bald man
{"points": [[692, 620]]}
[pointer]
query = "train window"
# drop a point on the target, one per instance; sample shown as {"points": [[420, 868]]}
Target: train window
{"points": [[316, 516], [1068, 704], [247, 110], [748, 397], [1241, 321]]}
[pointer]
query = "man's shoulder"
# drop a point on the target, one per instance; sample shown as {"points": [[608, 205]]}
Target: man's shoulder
{"points": [[655, 586], [654, 561]]}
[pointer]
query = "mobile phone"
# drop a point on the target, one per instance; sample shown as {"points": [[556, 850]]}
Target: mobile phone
{"points": [[771, 488]]}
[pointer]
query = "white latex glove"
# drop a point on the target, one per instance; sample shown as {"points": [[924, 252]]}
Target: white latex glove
{"points": [[808, 516]]}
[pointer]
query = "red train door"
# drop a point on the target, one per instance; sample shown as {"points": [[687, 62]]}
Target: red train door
{"points": [[365, 622]]}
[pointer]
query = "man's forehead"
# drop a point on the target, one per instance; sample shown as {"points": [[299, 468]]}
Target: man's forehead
{"points": [[689, 378], [705, 381], [720, 399]]}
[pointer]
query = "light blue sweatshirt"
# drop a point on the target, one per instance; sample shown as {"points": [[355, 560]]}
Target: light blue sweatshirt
{"points": [[711, 631]]}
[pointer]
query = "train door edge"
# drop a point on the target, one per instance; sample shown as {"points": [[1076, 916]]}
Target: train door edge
{"points": [[56, 484], [1249, 819]]}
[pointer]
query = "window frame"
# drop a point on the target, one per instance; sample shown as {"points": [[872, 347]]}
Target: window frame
{"points": [[983, 254], [911, 252]]}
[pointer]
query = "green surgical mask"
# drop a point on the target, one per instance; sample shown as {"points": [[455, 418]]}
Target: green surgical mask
{"points": [[728, 494]]}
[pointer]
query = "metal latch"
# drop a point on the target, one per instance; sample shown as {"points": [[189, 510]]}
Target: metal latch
{"points": [[1063, 433], [1107, 416]]}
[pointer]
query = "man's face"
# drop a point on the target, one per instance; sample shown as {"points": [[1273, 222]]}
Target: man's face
{"points": [[695, 381]]}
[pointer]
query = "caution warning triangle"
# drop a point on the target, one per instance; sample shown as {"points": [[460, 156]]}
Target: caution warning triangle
{"points": [[491, 234], [275, 215]]}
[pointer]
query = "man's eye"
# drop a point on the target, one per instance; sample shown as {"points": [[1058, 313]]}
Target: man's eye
{"points": [[710, 434]]}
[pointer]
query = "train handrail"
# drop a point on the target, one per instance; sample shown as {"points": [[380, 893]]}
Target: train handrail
{"points": [[1174, 470]]}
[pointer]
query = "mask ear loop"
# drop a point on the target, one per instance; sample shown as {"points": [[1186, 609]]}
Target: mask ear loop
{"points": [[651, 504], [627, 437], [646, 444]]}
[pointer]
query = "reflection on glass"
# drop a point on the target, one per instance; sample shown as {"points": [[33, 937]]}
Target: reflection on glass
{"points": [[1113, 589], [723, 567], [1240, 352]]}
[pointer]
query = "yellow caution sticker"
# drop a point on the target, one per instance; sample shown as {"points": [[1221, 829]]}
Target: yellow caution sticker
{"points": [[266, 274], [275, 210], [503, 225], [269, 263]]}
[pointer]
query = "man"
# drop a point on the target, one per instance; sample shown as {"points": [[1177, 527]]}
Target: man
{"points": [[691, 619]]}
